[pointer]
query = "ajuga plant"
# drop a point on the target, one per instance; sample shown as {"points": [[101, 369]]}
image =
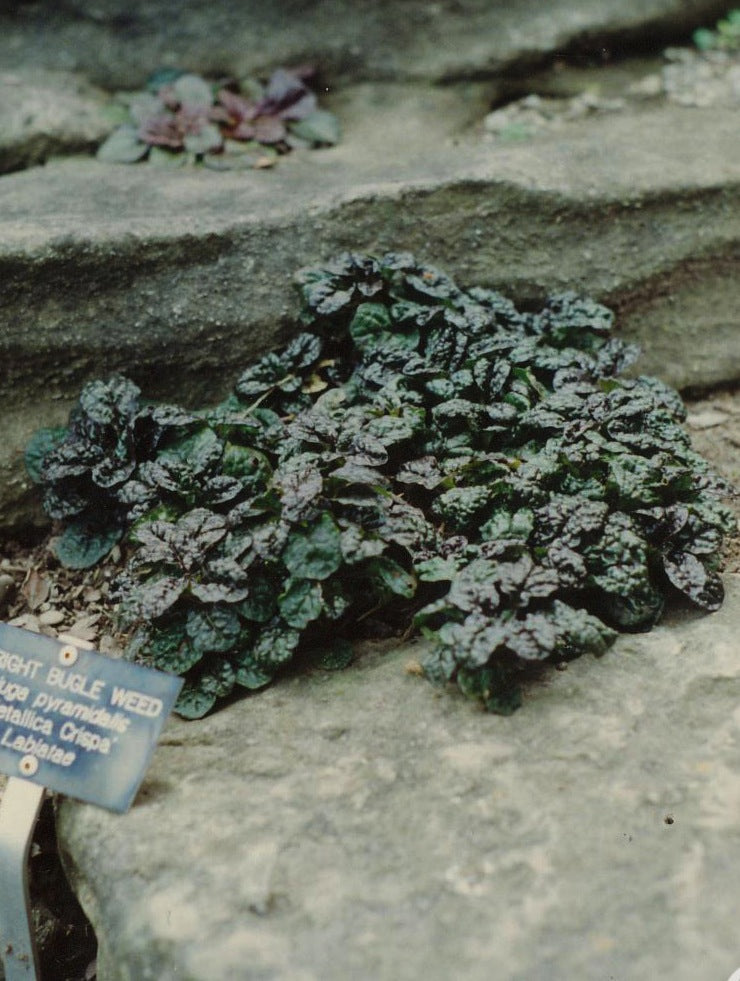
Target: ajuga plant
{"points": [[420, 454], [182, 118], [725, 37]]}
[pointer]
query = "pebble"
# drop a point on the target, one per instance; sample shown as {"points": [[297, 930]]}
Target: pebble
{"points": [[706, 419]]}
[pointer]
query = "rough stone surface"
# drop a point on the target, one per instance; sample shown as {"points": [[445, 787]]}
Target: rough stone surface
{"points": [[709, 79], [117, 43], [45, 113], [364, 825], [179, 278]]}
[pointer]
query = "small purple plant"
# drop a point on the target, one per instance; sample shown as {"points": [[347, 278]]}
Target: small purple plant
{"points": [[183, 118]]}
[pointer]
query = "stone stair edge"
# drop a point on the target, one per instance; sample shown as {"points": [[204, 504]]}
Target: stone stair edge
{"points": [[53, 205], [609, 755], [128, 236]]}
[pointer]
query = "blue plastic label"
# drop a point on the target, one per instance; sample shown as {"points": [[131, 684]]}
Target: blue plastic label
{"points": [[77, 722]]}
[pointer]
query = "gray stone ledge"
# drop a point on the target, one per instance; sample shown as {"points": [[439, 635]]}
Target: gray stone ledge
{"points": [[117, 43], [44, 113], [179, 278], [365, 825]]}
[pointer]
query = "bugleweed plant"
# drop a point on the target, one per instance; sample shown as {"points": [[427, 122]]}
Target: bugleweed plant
{"points": [[182, 118], [419, 454], [725, 36]]}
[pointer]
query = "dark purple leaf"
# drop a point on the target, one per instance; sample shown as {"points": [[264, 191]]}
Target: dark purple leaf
{"points": [[690, 577]]}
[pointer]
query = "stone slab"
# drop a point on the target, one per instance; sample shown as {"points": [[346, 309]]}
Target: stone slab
{"points": [[365, 825], [45, 113], [179, 278], [117, 43]]}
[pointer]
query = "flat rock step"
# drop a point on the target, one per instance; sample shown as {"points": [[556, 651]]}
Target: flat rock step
{"points": [[117, 43], [365, 825], [179, 278]]}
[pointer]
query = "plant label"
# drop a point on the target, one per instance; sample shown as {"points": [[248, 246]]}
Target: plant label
{"points": [[77, 722]]}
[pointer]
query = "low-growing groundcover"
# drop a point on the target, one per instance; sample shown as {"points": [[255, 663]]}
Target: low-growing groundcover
{"points": [[420, 453], [182, 118], [725, 36]]}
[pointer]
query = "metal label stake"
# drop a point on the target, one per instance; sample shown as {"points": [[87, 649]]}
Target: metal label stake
{"points": [[74, 722], [19, 810]]}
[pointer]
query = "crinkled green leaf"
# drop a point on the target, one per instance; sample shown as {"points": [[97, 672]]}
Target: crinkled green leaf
{"points": [[250, 677], [495, 686], [475, 587], [250, 467], [436, 569], [461, 508], [212, 628], [366, 450], [371, 321], [393, 430], [302, 351], [688, 574], [580, 632], [638, 609], [168, 648], [509, 524], [152, 597], [193, 702], [300, 602], [474, 641], [260, 602], [218, 679], [269, 539], [199, 451], [391, 576], [38, 447], [424, 471], [316, 552], [222, 580], [300, 491], [275, 644], [357, 546], [183, 544], [83, 544], [405, 525], [533, 637], [357, 473], [108, 403]]}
